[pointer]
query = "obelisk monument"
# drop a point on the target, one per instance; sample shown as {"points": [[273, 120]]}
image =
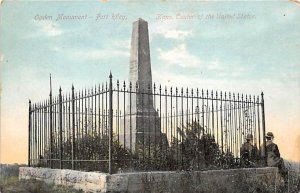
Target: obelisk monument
{"points": [[140, 67], [142, 125]]}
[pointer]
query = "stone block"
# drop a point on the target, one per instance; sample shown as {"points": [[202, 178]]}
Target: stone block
{"points": [[136, 182]]}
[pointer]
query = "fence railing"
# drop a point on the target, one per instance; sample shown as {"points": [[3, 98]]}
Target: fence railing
{"points": [[122, 127]]}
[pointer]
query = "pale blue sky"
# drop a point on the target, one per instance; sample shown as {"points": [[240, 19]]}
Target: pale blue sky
{"points": [[241, 55]]}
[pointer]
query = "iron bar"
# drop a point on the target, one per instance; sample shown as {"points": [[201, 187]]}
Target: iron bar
{"points": [[60, 130], [73, 127], [263, 127], [110, 123], [29, 133], [130, 124], [258, 125]]}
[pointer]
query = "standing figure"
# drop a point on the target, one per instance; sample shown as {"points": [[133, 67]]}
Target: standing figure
{"points": [[248, 152], [273, 155]]}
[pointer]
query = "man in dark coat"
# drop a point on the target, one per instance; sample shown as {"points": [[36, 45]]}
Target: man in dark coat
{"points": [[273, 155], [248, 152]]}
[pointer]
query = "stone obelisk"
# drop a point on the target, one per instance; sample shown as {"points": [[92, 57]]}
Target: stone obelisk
{"points": [[140, 67], [142, 123]]}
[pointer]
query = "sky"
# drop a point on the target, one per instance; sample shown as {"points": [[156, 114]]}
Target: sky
{"points": [[238, 46]]}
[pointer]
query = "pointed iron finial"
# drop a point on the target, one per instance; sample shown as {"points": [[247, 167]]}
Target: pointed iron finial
{"points": [[262, 97], [50, 86]]}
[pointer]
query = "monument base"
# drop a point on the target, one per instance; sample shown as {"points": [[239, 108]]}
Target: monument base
{"points": [[142, 129], [138, 141]]}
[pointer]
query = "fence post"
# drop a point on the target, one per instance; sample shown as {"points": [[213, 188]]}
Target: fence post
{"points": [[110, 123], [29, 134], [73, 127], [51, 131], [263, 127], [60, 128]]}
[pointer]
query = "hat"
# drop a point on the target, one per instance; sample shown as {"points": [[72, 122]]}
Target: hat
{"points": [[249, 136], [269, 135]]}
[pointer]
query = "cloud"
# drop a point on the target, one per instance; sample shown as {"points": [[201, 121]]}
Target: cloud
{"points": [[1, 57], [50, 29], [104, 54], [122, 44], [56, 48], [215, 65], [171, 30], [178, 56], [116, 48], [177, 34]]}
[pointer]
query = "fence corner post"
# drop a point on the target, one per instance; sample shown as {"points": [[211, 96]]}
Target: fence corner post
{"points": [[110, 123], [29, 134], [51, 131], [73, 127], [60, 129], [264, 128]]}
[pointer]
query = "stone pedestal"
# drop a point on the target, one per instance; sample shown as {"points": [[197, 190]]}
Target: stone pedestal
{"points": [[142, 129]]}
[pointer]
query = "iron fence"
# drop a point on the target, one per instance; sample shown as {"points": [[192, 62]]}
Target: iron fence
{"points": [[129, 127]]}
